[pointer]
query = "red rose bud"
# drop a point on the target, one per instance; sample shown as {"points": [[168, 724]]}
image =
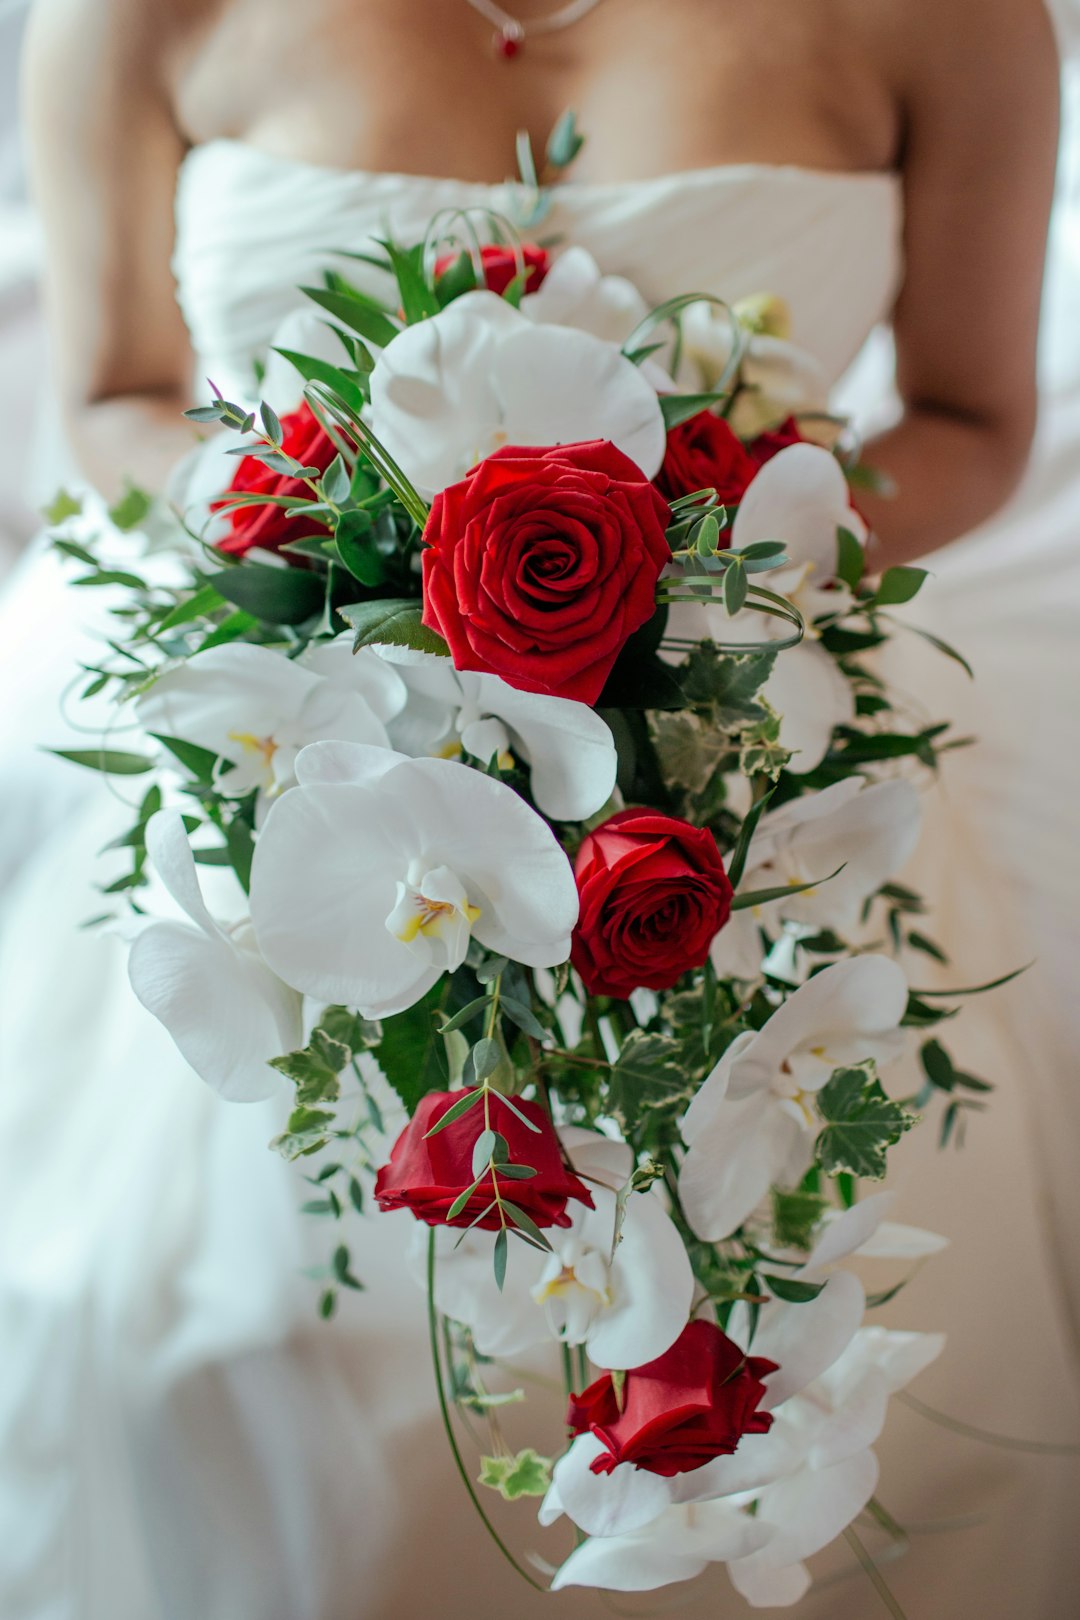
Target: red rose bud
{"points": [[654, 895], [268, 527], [679, 1412], [427, 1174], [767, 445], [501, 265], [704, 453], [542, 563]]}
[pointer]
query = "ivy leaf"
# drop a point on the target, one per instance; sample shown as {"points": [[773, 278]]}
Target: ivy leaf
{"points": [[647, 1075], [61, 507], [346, 1027], [307, 1131], [862, 1122], [727, 684], [794, 1217], [132, 507], [315, 1068], [527, 1474]]}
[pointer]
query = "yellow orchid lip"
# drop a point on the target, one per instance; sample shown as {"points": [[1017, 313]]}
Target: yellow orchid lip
{"points": [[266, 746], [429, 917]]}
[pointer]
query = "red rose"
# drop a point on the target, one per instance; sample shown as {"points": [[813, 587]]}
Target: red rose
{"points": [[501, 265], [540, 564], [767, 445], [693, 1403], [704, 453], [654, 895], [427, 1173], [269, 527]]}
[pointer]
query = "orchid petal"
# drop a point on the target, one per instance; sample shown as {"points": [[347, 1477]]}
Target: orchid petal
{"points": [[612, 1504], [804, 1340]]}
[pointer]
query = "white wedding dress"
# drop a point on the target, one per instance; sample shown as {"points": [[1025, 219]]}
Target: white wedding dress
{"points": [[181, 1438]]}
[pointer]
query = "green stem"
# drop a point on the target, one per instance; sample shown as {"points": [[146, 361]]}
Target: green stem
{"points": [[877, 1579], [1047, 1448], [444, 1411]]}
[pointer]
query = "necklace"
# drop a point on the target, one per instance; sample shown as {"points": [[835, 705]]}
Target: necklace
{"points": [[509, 40]]}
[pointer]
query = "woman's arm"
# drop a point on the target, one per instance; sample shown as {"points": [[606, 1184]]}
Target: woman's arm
{"points": [[104, 158], [979, 83]]}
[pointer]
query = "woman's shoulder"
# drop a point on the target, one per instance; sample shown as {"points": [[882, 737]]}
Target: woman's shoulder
{"points": [[933, 35]]}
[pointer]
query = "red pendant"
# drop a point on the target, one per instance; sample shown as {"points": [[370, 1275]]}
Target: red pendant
{"points": [[508, 44]]}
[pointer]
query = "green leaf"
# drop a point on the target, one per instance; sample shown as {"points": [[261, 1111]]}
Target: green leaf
{"points": [[794, 1217], [736, 588], [418, 298], [499, 1256], [357, 550], [132, 507], [523, 1017], [356, 311], [199, 761], [458, 278], [486, 1057], [792, 1290], [861, 1123], [336, 480], [976, 989], [61, 507], [412, 1054], [198, 605], [112, 576], [525, 1226], [348, 1029], [726, 684], [565, 142], [898, 585], [850, 559], [347, 388], [394, 622], [764, 897], [315, 1069], [527, 1474], [274, 595], [240, 843], [647, 1075], [113, 761], [307, 1131], [679, 408], [737, 861]]}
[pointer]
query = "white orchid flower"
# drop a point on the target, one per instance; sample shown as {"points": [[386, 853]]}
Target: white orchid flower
{"points": [[371, 875], [677, 1546], [224, 1008], [864, 833], [864, 1230], [752, 1124], [626, 1304], [779, 379], [568, 748], [256, 708], [575, 293], [801, 498], [448, 391], [829, 1429]]}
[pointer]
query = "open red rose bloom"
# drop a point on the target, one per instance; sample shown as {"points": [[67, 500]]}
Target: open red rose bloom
{"points": [[428, 1173], [704, 453], [654, 895], [542, 563], [501, 266], [693, 1403], [264, 525]]}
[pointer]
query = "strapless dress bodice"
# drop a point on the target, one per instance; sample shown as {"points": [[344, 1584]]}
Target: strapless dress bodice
{"points": [[253, 227]]}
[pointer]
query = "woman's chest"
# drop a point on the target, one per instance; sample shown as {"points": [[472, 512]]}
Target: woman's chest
{"points": [[658, 85]]}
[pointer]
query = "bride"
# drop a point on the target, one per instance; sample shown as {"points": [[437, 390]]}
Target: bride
{"points": [[181, 1437]]}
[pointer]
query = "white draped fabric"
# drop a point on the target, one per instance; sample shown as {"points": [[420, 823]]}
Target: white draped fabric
{"points": [[179, 1437]]}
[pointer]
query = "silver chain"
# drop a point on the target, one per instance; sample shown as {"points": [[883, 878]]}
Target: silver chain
{"points": [[511, 27]]}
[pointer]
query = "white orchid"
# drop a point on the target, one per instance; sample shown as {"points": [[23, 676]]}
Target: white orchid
{"points": [[448, 391], [371, 875], [799, 497], [575, 293], [752, 1124], [864, 1230], [256, 709], [568, 748], [863, 833], [224, 1008], [626, 1304], [806, 1478], [778, 379], [829, 1429]]}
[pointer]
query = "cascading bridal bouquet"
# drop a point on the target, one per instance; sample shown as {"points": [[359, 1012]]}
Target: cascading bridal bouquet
{"points": [[513, 698]]}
